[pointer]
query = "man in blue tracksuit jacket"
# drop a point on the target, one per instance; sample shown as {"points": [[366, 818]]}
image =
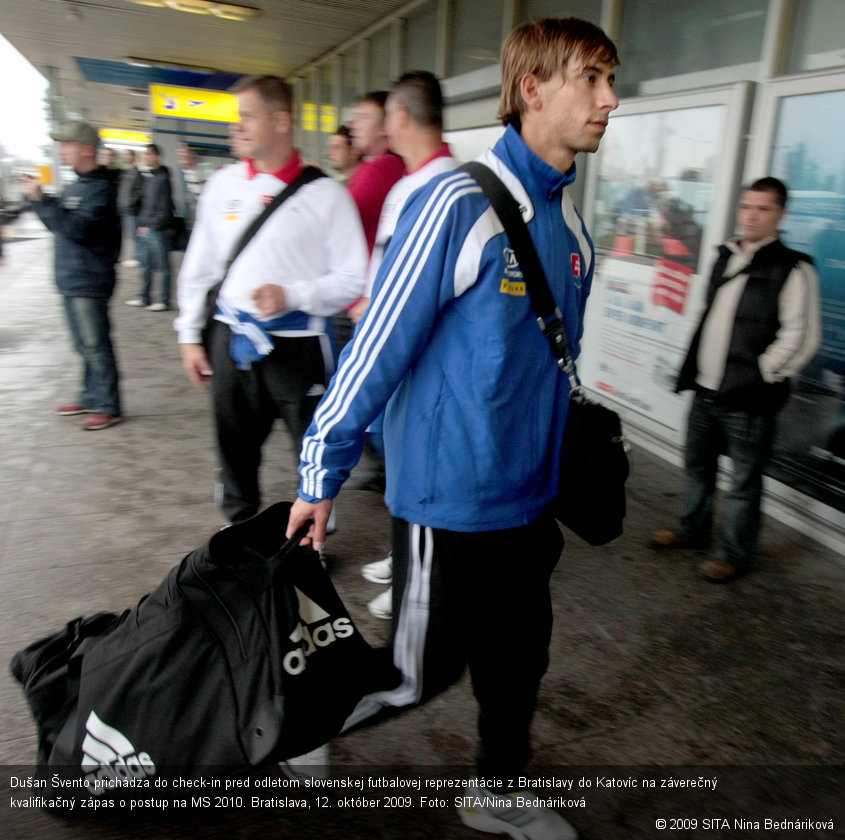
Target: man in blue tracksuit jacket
{"points": [[475, 404]]}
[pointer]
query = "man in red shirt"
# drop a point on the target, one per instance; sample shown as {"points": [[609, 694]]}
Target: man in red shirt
{"points": [[369, 186], [381, 168]]}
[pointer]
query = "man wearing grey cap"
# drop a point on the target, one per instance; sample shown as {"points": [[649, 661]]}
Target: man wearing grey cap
{"points": [[86, 227]]}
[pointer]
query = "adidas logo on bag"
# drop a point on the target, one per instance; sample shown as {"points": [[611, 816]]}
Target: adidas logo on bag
{"points": [[109, 759], [310, 637]]}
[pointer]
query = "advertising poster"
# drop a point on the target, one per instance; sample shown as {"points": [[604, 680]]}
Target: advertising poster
{"points": [[637, 320], [656, 175]]}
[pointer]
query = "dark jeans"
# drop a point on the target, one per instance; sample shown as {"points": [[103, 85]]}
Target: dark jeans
{"points": [[130, 232], [90, 331], [154, 254], [746, 437], [246, 403]]}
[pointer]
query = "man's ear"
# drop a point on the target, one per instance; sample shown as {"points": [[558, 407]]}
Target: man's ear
{"points": [[529, 88], [405, 114], [284, 122]]}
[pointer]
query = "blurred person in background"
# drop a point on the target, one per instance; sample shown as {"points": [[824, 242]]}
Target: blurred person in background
{"points": [[343, 155], [414, 122], [192, 181], [155, 226], [761, 325], [86, 228], [266, 355], [129, 203], [381, 167], [107, 158]]}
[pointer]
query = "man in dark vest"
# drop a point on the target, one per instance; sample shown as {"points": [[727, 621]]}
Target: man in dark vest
{"points": [[761, 325]]}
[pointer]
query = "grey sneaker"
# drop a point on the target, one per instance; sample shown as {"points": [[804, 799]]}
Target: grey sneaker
{"points": [[382, 605], [379, 572], [519, 814], [135, 302], [158, 307], [314, 764]]}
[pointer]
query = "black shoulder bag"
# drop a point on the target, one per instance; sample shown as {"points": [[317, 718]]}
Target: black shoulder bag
{"points": [[310, 173], [593, 460]]}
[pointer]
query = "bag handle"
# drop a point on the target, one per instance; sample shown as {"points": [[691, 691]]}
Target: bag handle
{"points": [[287, 549], [550, 319]]}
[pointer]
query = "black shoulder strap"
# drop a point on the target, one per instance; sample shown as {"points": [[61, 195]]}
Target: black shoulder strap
{"points": [[310, 173], [507, 209]]}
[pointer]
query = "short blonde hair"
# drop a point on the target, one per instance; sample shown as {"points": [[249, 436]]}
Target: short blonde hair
{"points": [[275, 93], [544, 49]]}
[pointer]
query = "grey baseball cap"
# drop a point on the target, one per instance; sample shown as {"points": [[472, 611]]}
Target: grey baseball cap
{"points": [[77, 132]]}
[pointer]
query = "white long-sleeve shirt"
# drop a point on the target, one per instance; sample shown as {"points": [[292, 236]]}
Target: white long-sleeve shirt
{"points": [[395, 200], [312, 246]]}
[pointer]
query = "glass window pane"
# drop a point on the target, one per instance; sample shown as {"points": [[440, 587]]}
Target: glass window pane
{"points": [[351, 85], [476, 35], [421, 38], [327, 111], [378, 77], [327, 82], [666, 45], [809, 451], [310, 144], [529, 10], [818, 35]]}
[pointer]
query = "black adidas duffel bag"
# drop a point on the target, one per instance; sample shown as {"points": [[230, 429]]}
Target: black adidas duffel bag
{"points": [[243, 656]]}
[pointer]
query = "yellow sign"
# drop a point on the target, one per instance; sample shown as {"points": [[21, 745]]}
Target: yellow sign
{"points": [[193, 104], [309, 116], [328, 119], [119, 135]]}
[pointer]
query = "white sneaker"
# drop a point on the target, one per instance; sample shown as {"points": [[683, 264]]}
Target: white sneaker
{"points": [[379, 572], [158, 307], [382, 605], [516, 814], [314, 764], [135, 302], [131, 263]]}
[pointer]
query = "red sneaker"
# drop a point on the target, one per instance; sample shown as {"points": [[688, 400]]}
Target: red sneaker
{"points": [[72, 408], [100, 421]]}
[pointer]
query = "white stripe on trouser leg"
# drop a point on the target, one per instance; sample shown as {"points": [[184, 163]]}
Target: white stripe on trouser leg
{"points": [[328, 357], [409, 643]]}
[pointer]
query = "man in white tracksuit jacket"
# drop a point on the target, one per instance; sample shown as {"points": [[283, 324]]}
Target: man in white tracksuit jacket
{"points": [[268, 349], [475, 408]]}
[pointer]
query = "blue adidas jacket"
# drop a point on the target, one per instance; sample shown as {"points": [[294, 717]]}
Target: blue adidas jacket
{"points": [[475, 402]]}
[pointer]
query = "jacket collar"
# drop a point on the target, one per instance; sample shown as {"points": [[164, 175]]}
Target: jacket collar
{"points": [[735, 246], [538, 177], [287, 173]]}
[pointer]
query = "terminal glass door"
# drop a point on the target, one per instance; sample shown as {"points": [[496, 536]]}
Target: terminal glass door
{"points": [[807, 154]]}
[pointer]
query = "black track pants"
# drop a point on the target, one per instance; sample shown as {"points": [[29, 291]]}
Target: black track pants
{"points": [[286, 384], [476, 599]]}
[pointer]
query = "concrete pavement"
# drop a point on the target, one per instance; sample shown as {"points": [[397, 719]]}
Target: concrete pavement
{"points": [[651, 669]]}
